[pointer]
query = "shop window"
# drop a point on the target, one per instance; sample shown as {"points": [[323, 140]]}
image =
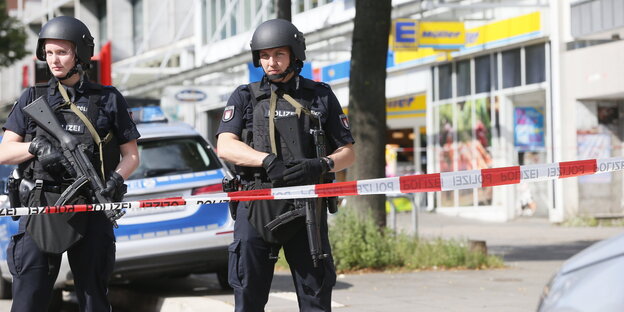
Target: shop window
{"points": [[465, 156], [511, 68], [494, 64], [535, 63], [463, 78], [222, 12], [445, 83], [483, 71], [300, 6], [433, 84], [137, 24], [101, 15]]}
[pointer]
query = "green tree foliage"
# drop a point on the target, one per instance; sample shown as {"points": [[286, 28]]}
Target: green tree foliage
{"points": [[12, 38]]}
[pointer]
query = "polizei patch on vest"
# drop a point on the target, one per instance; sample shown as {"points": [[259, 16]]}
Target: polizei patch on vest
{"points": [[345, 121], [281, 114], [228, 113], [78, 129]]}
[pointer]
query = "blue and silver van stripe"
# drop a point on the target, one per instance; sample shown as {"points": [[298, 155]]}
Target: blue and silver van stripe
{"points": [[172, 182]]}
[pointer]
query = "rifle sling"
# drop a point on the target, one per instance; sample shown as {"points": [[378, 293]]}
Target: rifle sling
{"points": [[85, 120], [273, 106]]}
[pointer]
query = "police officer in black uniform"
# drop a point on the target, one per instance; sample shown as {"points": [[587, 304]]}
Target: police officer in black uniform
{"points": [[34, 254], [280, 151]]}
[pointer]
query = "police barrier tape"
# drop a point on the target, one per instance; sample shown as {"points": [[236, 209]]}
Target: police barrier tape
{"points": [[434, 182]]}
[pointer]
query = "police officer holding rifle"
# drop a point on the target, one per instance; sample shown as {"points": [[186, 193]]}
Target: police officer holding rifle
{"points": [[99, 152], [284, 130]]}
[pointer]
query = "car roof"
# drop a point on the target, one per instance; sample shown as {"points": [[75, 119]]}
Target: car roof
{"points": [[166, 129]]}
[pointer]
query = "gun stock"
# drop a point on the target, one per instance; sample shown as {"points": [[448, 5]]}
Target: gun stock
{"points": [[42, 114]]}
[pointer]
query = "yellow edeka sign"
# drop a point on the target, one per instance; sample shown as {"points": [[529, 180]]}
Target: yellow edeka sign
{"points": [[409, 34], [407, 106], [404, 107]]}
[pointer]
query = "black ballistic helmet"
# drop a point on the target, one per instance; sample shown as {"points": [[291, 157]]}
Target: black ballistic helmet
{"points": [[277, 33], [70, 29]]}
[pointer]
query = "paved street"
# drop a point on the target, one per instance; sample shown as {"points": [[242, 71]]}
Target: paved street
{"points": [[533, 249]]}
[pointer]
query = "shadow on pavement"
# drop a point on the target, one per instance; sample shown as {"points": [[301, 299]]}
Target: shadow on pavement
{"points": [[149, 295], [555, 252]]}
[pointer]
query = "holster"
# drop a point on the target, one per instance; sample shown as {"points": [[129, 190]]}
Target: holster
{"points": [[231, 185], [13, 190]]}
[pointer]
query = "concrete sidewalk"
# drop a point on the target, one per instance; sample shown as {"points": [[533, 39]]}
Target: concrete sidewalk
{"points": [[533, 250], [522, 239]]}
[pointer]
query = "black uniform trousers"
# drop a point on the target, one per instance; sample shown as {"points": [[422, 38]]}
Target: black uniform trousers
{"points": [[251, 269], [34, 272]]}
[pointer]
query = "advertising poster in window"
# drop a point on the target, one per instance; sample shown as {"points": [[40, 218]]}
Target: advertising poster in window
{"points": [[465, 147], [528, 129], [446, 153]]}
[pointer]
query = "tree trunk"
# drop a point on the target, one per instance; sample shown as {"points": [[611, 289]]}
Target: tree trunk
{"points": [[284, 9], [367, 100]]}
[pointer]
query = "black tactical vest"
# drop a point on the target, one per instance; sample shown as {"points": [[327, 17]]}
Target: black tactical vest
{"points": [[293, 138], [75, 126], [55, 233], [293, 141]]}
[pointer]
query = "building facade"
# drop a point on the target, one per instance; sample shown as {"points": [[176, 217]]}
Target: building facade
{"points": [[536, 81]]}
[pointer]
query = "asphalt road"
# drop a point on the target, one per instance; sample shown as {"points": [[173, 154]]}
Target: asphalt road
{"points": [[533, 250]]}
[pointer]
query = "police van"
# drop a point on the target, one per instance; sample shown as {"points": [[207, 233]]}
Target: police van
{"points": [[164, 241]]}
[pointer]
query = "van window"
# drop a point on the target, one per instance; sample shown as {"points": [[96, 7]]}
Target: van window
{"points": [[171, 156]]}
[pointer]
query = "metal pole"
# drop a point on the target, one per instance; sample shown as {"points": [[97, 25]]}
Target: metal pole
{"points": [[392, 213], [415, 207]]}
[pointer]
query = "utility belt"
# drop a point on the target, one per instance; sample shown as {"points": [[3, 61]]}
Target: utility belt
{"points": [[20, 188], [50, 187]]}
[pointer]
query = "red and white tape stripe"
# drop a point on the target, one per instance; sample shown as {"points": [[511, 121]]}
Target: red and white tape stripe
{"points": [[434, 182]]}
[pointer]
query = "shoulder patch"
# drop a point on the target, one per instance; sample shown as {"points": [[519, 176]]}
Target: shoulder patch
{"points": [[228, 113], [344, 120]]}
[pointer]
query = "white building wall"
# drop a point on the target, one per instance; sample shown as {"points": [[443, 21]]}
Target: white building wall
{"points": [[120, 28]]}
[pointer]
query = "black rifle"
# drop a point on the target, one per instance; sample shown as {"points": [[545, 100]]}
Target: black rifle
{"points": [[321, 151], [313, 212], [84, 172]]}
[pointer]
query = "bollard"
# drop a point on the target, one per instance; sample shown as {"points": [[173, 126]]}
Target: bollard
{"points": [[478, 246]]}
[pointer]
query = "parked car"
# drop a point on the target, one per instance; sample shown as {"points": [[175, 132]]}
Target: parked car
{"points": [[165, 241], [177, 240], [7, 225], [589, 281]]}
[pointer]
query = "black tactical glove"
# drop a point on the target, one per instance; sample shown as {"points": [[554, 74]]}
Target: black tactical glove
{"points": [[115, 190], [305, 171], [49, 156], [274, 168]]}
